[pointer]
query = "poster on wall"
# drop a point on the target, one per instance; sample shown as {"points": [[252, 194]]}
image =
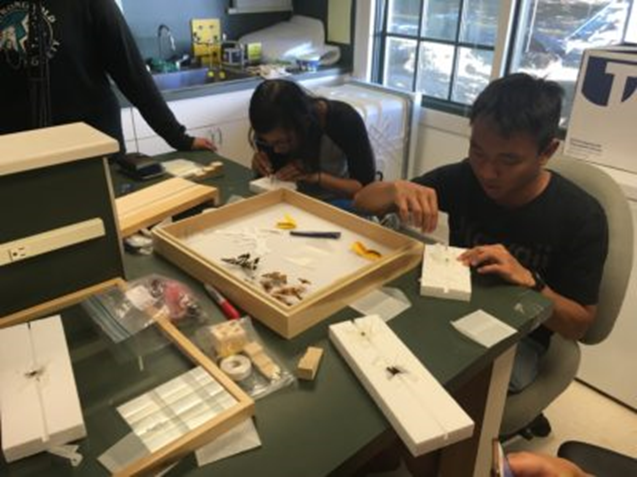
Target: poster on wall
{"points": [[602, 123]]}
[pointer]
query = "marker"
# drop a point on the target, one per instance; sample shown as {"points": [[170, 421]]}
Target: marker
{"points": [[226, 307], [313, 234]]}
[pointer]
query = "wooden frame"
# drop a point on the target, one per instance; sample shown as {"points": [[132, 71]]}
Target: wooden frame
{"points": [[289, 321], [200, 436]]}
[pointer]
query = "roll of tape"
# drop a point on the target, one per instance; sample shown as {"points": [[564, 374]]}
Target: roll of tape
{"points": [[237, 367]]}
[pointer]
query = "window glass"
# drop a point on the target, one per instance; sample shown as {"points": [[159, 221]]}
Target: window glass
{"points": [[403, 17], [440, 19], [472, 74], [435, 64], [554, 35], [400, 59], [479, 22]]}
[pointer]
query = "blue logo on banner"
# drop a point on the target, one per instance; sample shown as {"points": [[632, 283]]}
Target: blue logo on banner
{"points": [[599, 82]]}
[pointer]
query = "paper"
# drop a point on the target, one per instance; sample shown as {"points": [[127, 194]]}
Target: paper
{"points": [[385, 302], [483, 328], [339, 21], [240, 438]]}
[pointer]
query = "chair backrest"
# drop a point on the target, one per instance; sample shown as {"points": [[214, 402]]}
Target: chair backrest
{"points": [[620, 240]]}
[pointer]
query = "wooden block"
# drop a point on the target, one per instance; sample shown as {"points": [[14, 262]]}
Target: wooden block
{"points": [[213, 169], [40, 404], [252, 349], [422, 413], [266, 184], [443, 276], [228, 338], [309, 363], [153, 204]]}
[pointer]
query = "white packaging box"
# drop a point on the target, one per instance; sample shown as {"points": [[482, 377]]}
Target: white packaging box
{"points": [[601, 127], [443, 276], [422, 413], [39, 404]]}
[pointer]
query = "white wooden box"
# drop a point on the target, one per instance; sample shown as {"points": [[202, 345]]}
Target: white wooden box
{"points": [[336, 275], [421, 412]]}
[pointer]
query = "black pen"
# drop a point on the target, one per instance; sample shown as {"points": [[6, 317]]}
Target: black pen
{"points": [[314, 234]]}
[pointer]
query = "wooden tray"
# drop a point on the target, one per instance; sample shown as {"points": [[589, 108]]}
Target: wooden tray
{"points": [[176, 242]]}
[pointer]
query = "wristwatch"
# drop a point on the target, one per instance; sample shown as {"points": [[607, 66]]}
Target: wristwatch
{"points": [[540, 284]]}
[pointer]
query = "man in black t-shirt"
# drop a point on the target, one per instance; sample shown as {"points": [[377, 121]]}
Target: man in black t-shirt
{"points": [[519, 220]]}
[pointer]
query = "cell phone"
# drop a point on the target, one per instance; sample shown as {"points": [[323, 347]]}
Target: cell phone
{"points": [[276, 160], [499, 463]]}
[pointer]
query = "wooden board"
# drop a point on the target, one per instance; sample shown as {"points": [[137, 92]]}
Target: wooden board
{"points": [[401, 254], [419, 409], [40, 404], [153, 204]]}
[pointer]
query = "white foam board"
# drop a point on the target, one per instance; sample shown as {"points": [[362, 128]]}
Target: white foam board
{"points": [[266, 184], [43, 410], [422, 413], [442, 275]]}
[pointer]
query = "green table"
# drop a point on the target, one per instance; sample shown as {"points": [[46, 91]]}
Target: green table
{"points": [[317, 428]]}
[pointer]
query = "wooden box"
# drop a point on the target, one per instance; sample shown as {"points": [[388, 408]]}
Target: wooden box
{"points": [[335, 274], [59, 240]]}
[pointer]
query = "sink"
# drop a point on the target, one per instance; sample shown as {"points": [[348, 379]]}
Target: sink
{"points": [[195, 77]]}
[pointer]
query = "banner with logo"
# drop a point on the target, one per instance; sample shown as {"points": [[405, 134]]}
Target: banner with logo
{"points": [[603, 123]]}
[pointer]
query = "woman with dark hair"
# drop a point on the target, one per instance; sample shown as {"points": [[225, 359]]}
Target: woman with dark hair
{"points": [[320, 144]]}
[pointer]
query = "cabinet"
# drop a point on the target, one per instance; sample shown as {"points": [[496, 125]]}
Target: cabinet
{"points": [[221, 117], [608, 366]]}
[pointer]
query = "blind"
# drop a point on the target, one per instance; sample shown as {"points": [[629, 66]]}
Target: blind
{"points": [[256, 6]]}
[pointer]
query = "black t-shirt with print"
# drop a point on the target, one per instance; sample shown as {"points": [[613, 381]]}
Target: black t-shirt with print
{"points": [[562, 233]]}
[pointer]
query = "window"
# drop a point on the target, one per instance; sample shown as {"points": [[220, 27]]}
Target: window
{"points": [[441, 48], [447, 49], [552, 36]]}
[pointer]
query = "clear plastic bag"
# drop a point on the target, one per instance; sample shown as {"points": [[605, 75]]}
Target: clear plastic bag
{"points": [[237, 349], [122, 313]]}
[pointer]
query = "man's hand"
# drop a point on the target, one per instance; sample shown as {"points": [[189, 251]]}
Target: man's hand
{"points": [[416, 205], [261, 164], [203, 144], [496, 259], [527, 464]]}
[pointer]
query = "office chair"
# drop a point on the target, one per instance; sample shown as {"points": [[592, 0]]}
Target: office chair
{"points": [[598, 461], [559, 365]]}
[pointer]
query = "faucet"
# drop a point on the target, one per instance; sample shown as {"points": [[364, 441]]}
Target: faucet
{"points": [[161, 30]]}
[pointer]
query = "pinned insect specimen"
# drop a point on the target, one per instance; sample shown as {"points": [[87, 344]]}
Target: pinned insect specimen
{"points": [[35, 373], [395, 371], [244, 262]]}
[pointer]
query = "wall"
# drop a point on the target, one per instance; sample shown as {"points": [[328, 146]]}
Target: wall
{"points": [[145, 16]]}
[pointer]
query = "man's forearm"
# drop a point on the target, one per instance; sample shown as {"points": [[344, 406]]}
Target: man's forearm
{"points": [[376, 198], [569, 318]]}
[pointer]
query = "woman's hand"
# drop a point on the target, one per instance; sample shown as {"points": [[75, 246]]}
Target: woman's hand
{"points": [[295, 172], [203, 144], [261, 164]]}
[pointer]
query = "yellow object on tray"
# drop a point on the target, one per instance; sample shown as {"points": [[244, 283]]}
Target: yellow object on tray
{"points": [[288, 223], [368, 253]]}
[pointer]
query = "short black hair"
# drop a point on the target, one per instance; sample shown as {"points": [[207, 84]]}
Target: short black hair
{"points": [[520, 103]]}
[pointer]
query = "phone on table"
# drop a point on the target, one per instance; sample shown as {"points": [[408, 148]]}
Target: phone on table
{"points": [[499, 463]]}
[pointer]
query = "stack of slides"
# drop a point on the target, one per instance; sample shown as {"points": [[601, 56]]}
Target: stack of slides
{"points": [[443, 276], [422, 413], [40, 407]]}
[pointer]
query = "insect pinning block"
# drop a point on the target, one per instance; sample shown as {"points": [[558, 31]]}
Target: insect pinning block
{"points": [[443, 276]]}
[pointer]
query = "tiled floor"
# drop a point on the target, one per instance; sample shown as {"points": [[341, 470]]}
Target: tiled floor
{"points": [[581, 413]]}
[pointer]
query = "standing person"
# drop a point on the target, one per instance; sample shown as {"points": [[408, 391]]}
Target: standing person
{"points": [[87, 43], [519, 220], [320, 144]]}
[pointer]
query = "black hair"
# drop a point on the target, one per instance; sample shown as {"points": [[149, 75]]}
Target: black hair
{"points": [[284, 104], [520, 103]]}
